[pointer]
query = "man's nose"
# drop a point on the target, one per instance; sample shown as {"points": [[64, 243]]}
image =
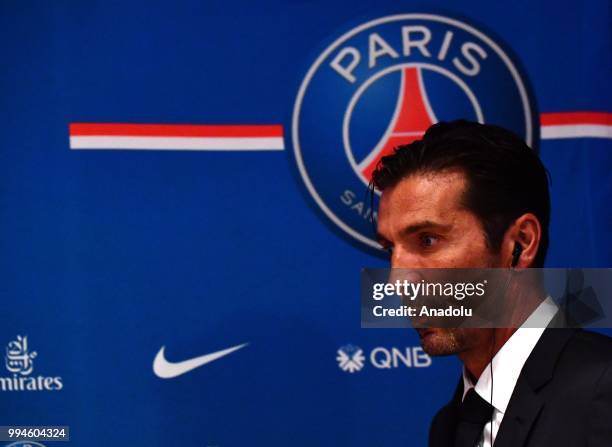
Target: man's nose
{"points": [[403, 259]]}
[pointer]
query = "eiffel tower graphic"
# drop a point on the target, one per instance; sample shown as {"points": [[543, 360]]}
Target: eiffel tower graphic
{"points": [[412, 117]]}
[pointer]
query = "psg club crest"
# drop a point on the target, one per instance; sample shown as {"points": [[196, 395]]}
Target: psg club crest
{"points": [[382, 84]]}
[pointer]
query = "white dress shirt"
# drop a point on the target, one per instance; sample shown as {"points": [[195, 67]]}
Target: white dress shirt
{"points": [[507, 366]]}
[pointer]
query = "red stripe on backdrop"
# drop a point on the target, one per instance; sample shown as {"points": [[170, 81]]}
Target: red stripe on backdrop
{"points": [[275, 130], [561, 118], [176, 130]]}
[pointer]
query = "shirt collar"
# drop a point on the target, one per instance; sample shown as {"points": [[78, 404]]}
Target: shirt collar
{"points": [[509, 360]]}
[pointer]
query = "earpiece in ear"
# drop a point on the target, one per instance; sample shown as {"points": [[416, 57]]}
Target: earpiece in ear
{"points": [[516, 254]]}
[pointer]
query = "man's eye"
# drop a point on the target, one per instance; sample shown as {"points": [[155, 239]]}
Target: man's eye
{"points": [[427, 240]]}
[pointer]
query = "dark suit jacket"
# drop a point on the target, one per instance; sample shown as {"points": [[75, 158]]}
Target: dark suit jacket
{"points": [[563, 396]]}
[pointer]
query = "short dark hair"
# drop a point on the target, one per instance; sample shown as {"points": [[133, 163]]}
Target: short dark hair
{"points": [[505, 177]]}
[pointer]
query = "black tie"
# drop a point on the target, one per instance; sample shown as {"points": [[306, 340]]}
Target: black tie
{"points": [[474, 413]]}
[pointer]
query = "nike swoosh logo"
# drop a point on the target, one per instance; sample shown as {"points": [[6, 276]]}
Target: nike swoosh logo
{"points": [[167, 370]]}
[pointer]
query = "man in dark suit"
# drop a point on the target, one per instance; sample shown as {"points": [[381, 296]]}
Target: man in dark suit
{"points": [[476, 196]]}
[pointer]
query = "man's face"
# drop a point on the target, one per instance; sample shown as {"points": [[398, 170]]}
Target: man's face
{"points": [[423, 224]]}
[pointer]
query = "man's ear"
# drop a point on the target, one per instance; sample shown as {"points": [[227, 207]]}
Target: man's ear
{"points": [[527, 232]]}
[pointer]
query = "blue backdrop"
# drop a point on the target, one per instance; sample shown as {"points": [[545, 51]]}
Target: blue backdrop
{"points": [[109, 254]]}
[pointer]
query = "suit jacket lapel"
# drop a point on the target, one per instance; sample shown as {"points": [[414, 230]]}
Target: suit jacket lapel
{"points": [[442, 432], [526, 403], [523, 410]]}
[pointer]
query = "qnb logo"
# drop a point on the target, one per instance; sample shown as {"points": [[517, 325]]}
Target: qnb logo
{"points": [[352, 358], [19, 361], [381, 85], [409, 357]]}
